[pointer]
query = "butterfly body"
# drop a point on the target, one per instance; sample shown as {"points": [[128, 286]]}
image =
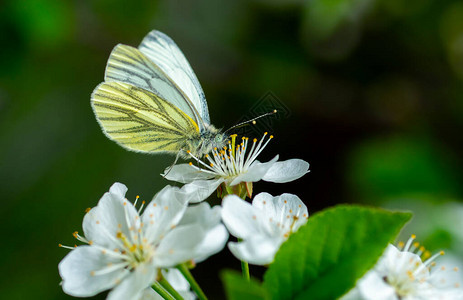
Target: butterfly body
{"points": [[152, 102]]}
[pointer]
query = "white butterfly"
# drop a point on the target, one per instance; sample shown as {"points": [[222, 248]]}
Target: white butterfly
{"points": [[151, 101]]}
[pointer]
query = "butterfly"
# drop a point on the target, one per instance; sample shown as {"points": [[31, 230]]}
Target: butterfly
{"points": [[152, 102]]}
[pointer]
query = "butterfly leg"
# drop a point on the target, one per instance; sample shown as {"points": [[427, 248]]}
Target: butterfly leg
{"points": [[171, 166]]}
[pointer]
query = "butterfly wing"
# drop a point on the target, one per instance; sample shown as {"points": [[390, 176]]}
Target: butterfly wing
{"points": [[140, 120], [127, 64], [163, 51]]}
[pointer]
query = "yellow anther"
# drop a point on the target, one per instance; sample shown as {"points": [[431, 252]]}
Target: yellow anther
{"points": [[207, 155], [88, 209], [137, 197], [271, 136], [413, 236], [190, 163], [426, 254], [416, 244], [59, 245], [400, 244], [211, 164], [254, 140], [254, 122], [265, 133], [442, 253], [188, 151], [274, 111]]}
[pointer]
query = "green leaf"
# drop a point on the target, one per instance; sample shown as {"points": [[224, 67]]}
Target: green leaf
{"points": [[324, 258], [236, 287]]}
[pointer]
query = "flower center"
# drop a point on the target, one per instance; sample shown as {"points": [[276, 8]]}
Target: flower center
{"points": [[234, 159]]}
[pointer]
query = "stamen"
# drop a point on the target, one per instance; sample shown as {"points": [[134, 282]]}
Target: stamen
{"points": [[67, 247]]}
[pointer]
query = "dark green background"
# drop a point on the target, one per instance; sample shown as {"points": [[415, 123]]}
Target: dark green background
{"points": [[371, 92]]}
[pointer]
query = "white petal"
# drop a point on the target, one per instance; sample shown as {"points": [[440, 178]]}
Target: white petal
{"points": [[118, 189], [256, 171], [150, 294], [176, 279], [178, 245], [113, 213], [77, 267], [202, 214], [199, 190], [373, 287], [241, 219], [214, 242], [215, 233], [285, 171], [292, 210], [256, 251], [135, 284], [163, 212], [185, 173]]}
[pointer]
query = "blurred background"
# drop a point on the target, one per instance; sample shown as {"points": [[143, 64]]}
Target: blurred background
{"points": [[370, 93]]}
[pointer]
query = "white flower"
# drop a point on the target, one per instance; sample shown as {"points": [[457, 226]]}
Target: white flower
{"points": [[234, 165], [126, 250], [262, 226], [402, 275]]}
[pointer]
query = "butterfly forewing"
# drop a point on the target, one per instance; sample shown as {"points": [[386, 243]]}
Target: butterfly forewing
{"points": [[163, 52], [140, 120], [127, 64]]}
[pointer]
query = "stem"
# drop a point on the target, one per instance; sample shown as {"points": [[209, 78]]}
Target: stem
{"points": [[245, 270], [161, 291], [194, 285], [168, 287]]}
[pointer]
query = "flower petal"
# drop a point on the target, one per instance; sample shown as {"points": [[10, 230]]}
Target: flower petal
{"points": [[185, 173], [150, 294], [257, 251], [77, 267], [287, 207], [373, 287], [135, 284], [256, 171], [202, 214], [213, 242], [285, 171], [118, 189], [178, 245], [163, 212], [112, 214], [240, 217], [199, 190]]}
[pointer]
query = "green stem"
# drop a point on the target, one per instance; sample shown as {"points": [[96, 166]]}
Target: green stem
{"points": [[245, 270], [168, 287], [161, 291], [194, 285]]}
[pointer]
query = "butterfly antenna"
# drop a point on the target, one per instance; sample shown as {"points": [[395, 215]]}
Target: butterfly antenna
{"points": [[252, 121]]}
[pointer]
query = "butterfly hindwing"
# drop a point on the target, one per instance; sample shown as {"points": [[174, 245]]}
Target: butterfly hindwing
{"points": [[163, 52], [140, 120]]}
